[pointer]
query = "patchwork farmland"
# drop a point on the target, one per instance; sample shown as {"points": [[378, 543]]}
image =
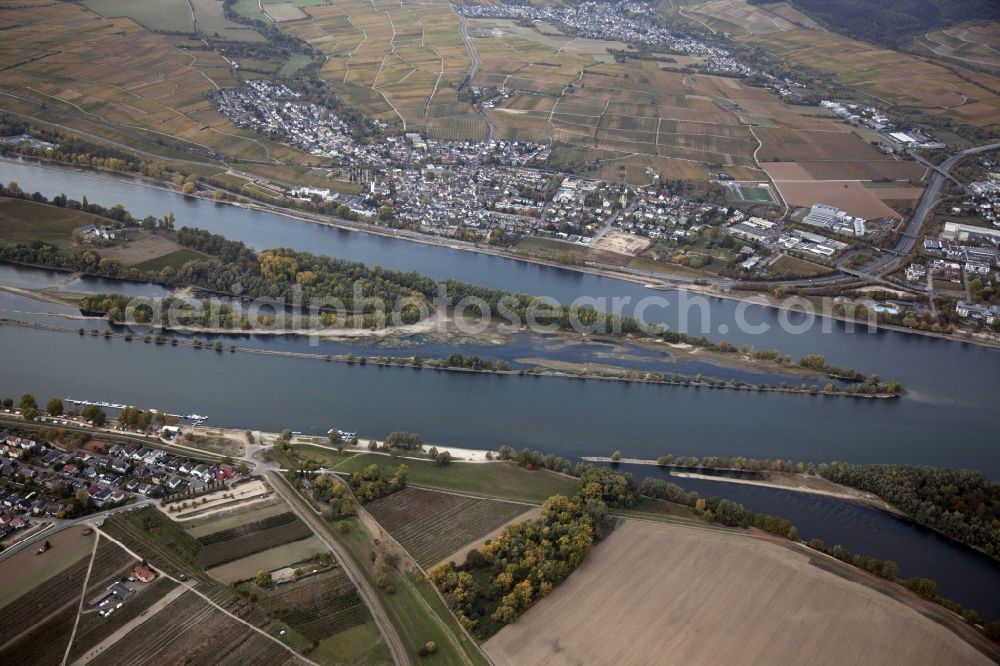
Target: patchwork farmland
{"points": [[953, 92], [432, 525], [315, 609], [112, 78], [399, 63]]}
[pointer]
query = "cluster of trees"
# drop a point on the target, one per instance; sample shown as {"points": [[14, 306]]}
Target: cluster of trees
{"points": [[119, 308], [818, 362], [333, 496], [962, 504], [132, 418], [738, 462], [73, 150], [535, 460], [923, 587], [406, 441], [718, 510], [472, 362], [29, 409], [371, 484], [503, 578], [440, 458], [278, 273], [605, 485]]}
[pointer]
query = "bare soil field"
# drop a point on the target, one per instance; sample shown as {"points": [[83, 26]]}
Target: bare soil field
{"points": [[26, 570], [850, 196], [142, 246], [685, 594], [794, 267], [622, 243], [864, 170], [896, 193]]}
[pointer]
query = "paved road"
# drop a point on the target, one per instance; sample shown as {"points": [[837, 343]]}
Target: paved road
{"points": [[890, 261], [463, 32], [370, 596], [56, 525]]}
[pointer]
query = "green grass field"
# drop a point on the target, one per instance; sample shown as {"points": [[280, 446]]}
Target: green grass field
{"points": [[488, 479], [755, 194], [294, 64], [176, 259], [415, 609], [249, 9], [360, 645]]}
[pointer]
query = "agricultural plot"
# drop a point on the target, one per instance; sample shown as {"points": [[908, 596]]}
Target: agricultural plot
{"points": [[972, 44], [396, 63], [165, 15], [611, 610], [210, 20], [158, 539], [283, 11], [45, 591], [23, 571], [851, 196], [115, 79], [189, 630], [233, 543], [60, 590], [267, 560], [145, 248], [962, 95], [42, 641], [233, 497], [432, 525], [317, 606], [739, 18], [24, 221], [494, 480]]}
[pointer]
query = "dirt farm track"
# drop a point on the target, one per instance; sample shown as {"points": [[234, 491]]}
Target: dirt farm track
{"points": [[698, 596]]}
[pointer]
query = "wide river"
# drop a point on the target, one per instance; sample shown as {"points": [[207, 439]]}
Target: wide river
{"points": [[947, 418]]}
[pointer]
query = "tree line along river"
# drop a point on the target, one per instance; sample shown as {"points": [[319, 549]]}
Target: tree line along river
{"points": [[947, 417]]}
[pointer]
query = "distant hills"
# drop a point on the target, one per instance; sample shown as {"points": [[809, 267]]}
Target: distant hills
{"points": [[892, 22]]}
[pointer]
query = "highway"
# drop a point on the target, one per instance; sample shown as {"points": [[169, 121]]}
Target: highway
{"points": [[889, 261]]}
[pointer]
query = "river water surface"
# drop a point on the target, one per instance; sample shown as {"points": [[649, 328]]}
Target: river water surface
{"points": [[947, 418]]}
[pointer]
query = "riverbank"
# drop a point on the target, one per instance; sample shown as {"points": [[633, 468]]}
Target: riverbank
{"points": [[409, 362], [718, 288], [800, 483], [445, 326]]}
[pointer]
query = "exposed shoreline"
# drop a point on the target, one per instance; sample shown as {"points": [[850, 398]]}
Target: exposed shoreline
{"points": [[660, 282], [432, 326]]}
